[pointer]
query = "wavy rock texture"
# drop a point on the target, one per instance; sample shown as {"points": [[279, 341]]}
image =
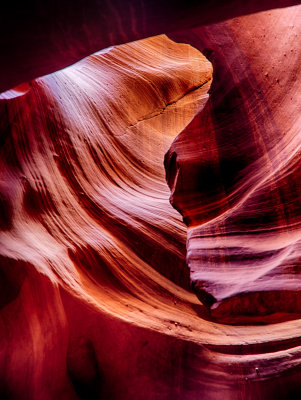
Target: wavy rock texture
{"points": [[95, 295], [84, 203], [243, 205]]}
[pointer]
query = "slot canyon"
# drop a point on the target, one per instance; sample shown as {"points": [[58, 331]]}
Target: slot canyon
{"points": [[150, 200]]}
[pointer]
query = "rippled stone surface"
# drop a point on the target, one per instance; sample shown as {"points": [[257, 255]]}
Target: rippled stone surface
{"points": [[85, 210], [235, 170], [95, 295]]}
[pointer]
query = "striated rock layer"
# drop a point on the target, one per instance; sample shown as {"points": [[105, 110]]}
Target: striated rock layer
{"points": [[95, 294], [235, 170], [84, 208]]}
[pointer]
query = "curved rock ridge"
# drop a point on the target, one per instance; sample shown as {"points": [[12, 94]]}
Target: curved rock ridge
{"points": [[95, 299], [87, 231], [235, 171], [82, 187]]}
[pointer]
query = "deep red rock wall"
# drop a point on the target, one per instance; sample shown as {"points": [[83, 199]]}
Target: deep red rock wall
{"points": [[95, 300], [235, 169], [38, 38]]}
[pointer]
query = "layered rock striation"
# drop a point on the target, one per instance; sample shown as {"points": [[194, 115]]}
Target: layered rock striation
{"points": [[96, 266], [234, 171]]}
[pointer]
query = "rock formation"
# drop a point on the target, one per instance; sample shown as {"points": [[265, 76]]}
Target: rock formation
{"points": [[243, 150], [105, 294]]}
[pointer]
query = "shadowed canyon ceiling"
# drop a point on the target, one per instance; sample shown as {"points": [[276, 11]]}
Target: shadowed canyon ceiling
{"points": [[150, 200]]}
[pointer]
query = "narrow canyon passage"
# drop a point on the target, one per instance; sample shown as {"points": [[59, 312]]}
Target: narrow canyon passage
{"points": [[150, 202]]}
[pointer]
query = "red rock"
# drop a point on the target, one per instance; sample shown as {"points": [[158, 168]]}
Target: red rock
{"points": [[234, 172], [95, 297], [42, 37]]}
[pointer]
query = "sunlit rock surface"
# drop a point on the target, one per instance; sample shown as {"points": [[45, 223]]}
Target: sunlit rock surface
{"points": [[95, 295], [85, 207]]}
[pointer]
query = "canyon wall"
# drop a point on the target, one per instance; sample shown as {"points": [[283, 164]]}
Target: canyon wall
{"points": [[108, 291]]}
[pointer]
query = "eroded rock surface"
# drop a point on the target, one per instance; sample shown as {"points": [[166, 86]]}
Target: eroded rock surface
{"points": [[235, 170], [95, 293]]}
